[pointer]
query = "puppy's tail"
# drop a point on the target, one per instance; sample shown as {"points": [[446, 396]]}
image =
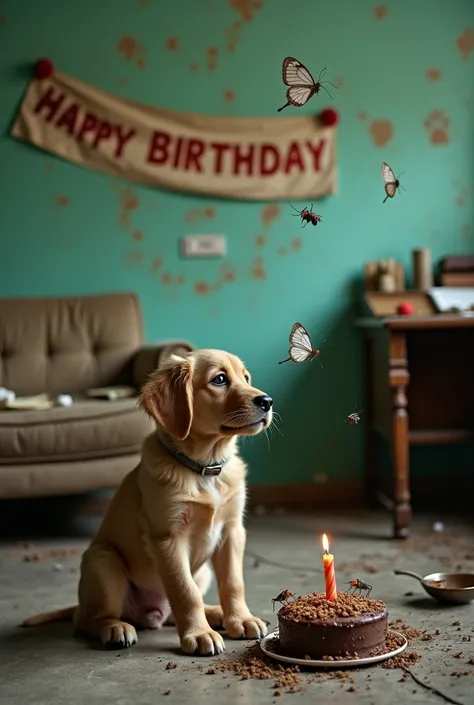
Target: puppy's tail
{"points": [[55, 616]]}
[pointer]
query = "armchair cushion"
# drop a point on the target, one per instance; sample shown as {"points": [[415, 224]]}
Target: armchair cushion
{"points": [[88, 429]]}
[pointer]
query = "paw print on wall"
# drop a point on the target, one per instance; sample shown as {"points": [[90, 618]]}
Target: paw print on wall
{"points": [[437, 126]]}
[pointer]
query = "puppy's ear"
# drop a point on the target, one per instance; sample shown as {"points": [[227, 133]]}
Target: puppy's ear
{"points": [[168, 397]]}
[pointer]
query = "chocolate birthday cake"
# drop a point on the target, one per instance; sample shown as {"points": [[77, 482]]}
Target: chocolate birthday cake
{"points": [[352, 626]]}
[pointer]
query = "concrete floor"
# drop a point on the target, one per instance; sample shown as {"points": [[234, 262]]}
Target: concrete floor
{"points": [[46, 665]]}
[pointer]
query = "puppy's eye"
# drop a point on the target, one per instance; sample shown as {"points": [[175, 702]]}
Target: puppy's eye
{"points": [[247, 378], [220, 380]]}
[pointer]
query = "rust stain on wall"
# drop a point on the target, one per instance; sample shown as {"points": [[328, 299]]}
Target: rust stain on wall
{"points": [[143, 3], [232, 35], [465, 43], [269, 214], [201, 287], [196, 214], [211, 58], [121, 81], [156, 264], [129, 202], [260, 241], [362, 116], [132, 258], [466, 231], [433, 75], [132, 50], [437, 127], [49, 166], [137, 236], [229, 95], [282, 251], [227, 274], [296, 243], [172, 44], [462, 194], [168, 279], [193, 67], [381, 132], [3, 20], [380, 12], [257, 270], [61, 200], [246, 9]]}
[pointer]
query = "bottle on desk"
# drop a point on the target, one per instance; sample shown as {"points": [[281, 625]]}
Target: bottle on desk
{"points": [[422, 269]]}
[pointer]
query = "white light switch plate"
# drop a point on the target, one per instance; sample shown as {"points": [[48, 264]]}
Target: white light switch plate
{"points": [[203, 246]]}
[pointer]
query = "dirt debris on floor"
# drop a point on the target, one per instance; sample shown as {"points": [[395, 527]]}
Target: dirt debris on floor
{"points": [[48, 667]]}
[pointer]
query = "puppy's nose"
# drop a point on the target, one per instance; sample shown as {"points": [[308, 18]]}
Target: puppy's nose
{"points": [[263, 402]]}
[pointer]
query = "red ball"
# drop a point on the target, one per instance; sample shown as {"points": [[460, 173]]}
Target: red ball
{"points": [[405, 309], [329, 117], [44, 68]]}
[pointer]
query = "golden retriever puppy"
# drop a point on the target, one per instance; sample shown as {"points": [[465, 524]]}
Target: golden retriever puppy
{"points": [[178, 512]]}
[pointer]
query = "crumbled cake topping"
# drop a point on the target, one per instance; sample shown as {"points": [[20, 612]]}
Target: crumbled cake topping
{"points": [[316, 606]]}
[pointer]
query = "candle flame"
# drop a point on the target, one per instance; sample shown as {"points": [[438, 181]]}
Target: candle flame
{"points": [[325, 544]]}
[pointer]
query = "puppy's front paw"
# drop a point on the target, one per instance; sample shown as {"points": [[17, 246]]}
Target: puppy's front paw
{"points": [[205, 642], [118, 635], [246, 628]]}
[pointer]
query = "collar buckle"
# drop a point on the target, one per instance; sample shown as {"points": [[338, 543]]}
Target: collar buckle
{"points": [[211, 470]]}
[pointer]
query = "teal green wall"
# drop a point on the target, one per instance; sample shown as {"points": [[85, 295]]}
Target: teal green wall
{"points": [[85, 246]]}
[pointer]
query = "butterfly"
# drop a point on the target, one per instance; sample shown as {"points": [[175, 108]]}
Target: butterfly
{"points": [[307, 216], [302, 85], [354, 417], [301, 346], [391, 181]]}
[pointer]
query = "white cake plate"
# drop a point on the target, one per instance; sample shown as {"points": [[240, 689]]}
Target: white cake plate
{"points": [[269, 646]]}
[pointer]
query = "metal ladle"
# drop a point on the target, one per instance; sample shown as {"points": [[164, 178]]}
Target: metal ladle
{"points": [[453, 588]]}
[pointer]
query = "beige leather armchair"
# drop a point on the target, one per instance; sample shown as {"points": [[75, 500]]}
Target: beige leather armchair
{"points": [[67, 346]]}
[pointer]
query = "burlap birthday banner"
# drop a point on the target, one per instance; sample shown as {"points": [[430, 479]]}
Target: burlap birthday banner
{"points": [[240, 158]]}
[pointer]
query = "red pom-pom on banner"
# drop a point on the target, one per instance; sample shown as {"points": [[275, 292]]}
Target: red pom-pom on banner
{"points": [[329, 117], [44, 68]]}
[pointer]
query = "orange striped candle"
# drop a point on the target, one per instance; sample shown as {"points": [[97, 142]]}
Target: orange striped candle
{"points": [[329, 573]]}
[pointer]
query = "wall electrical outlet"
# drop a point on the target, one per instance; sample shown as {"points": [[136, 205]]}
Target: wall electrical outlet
{"points": [[203, 246]]}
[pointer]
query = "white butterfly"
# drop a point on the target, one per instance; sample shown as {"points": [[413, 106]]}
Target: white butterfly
{"points": [[302, 85], [301, 346], [391, 181]]}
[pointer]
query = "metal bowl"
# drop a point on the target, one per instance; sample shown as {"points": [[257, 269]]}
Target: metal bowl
{"points": [[452, 588]]}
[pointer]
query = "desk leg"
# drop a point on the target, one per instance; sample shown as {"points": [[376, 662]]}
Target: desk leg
{"points": [[399, 379]]}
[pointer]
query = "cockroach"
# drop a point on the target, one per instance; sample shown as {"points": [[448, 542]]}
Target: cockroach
{"points": [[360, 585], [307, 216], [283, 597]]}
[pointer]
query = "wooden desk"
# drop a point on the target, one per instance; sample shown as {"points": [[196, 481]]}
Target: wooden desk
{"points": [[419, 383]]}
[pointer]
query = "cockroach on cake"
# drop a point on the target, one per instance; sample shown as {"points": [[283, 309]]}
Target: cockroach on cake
{"points": [[283, 597], [360, 585]]}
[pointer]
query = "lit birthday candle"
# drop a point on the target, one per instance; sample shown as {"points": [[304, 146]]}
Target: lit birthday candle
{"points": [[329, 573]]}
